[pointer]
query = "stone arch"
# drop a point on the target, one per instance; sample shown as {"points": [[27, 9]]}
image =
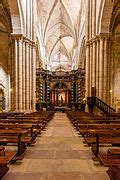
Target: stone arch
{"points": [[15, 16], [5, 51], [39, 62], [81, 62], [5, 31], [104, 16], [22, 18], [115, 55]]}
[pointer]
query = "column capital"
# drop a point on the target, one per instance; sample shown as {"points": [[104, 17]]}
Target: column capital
{"points": [[88, 43], [98, 37], [27, 40], [23, 38], [17, 36], [104, 35]]}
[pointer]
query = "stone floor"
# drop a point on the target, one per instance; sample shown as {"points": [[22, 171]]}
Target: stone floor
{"points": [[58, 154]]}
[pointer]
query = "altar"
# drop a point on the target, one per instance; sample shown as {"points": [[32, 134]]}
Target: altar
{"points": [[62, 108]]}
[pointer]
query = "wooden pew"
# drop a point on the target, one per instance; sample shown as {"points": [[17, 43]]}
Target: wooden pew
{"points": [[35, 123], [79, 123], [3, 169], [104, 132], [114, 172], [14, 136], [85, 127], [39, 121], [114, 153], [97, 130], [3, 115], [112, 158], [31, 128], [5, 158], [22, 123]]}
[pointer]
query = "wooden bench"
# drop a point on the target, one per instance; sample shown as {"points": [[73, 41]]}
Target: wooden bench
{"points": [[112, 158], [14, 136], [114, 172], [83, 128], [38, 123], [2, 150], [102, 140], [98, 130], [104, 132], [113, 153], [32, 129], [107, 162], [36, 127], [3, 169], [5, 158], [3, 115]]}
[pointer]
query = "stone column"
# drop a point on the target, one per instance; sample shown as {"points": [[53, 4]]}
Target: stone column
{"points": [[27, 78], [109, 73], [97, 68], [23, 75], [101, 68], [20, 75], [105, 88], [12, 75], [16, 76], [33, 77], [94, 65], [87, 77], [30, 75], [91, 65]]}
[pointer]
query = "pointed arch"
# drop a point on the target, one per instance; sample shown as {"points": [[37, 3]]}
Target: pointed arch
{"points": [[104, 16], [81, 62], [15, 16]]}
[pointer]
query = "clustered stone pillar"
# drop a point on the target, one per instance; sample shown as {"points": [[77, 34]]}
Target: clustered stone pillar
{"points": [[101, 68], [33, 77], [19, 68], [94, 65], [105, 85], [24, 75], [97, 66], [91, 65], [103, 72], [109, 74], [15, 63], [87, 77]]}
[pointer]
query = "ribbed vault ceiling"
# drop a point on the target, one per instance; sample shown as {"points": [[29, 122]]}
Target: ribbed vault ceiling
{"points": [[59, 21]]}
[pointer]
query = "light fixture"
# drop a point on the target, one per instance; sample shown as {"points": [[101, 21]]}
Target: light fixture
{"points": [[11, 89], [110, 90]]}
